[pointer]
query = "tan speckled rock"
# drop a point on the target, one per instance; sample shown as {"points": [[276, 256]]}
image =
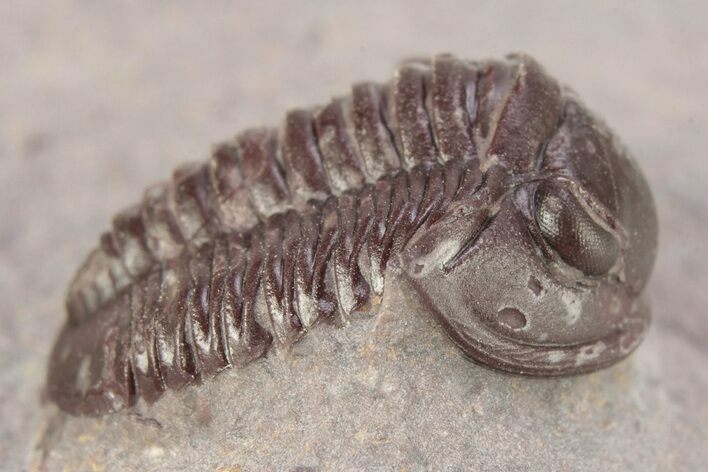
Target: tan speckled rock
{"points": [[390, 389]]}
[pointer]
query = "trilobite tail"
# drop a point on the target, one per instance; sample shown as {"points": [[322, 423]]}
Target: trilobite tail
{"points": [[189, 319]]}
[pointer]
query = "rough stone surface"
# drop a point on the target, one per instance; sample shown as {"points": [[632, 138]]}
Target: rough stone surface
{"points": [[96, 102], [390, 389]]}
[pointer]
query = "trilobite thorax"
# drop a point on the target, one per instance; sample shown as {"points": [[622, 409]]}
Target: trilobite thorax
{"points": [[284, 228]]}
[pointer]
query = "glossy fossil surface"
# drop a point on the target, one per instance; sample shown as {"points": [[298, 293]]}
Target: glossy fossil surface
{"points": [[509, 209]]}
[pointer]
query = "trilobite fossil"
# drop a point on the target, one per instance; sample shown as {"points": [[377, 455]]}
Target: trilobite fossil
{"points": [[505, 206]]}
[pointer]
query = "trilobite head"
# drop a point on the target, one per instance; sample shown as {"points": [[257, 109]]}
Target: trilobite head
{"points": [[550, 282]]}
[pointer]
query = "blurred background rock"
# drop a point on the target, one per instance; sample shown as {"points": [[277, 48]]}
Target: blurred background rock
{"points": [[99, 99]]}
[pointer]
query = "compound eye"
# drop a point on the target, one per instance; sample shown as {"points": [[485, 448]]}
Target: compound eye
{"points": [[572, 233]]}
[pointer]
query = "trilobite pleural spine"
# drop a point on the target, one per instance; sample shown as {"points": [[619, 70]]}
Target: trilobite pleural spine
{"points": [[285, 228]]}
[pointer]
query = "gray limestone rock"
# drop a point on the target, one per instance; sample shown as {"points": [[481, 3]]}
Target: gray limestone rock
{"points": [[390, 390]]}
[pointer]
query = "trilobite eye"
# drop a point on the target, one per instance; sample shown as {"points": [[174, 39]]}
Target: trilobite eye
{"points": [[572, 233]]}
